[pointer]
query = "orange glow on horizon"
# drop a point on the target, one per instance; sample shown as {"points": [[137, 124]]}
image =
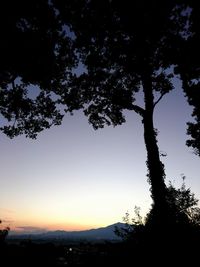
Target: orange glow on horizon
{"points": [[21, 226]]}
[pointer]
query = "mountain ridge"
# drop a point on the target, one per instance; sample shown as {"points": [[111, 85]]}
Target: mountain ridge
{"points": [[102, 233]]}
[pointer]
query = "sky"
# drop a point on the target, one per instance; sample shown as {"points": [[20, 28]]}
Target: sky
{"points": [[73, 177]]}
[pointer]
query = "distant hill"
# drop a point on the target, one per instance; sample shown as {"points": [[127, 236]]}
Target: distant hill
{"points": [[103, 233]]}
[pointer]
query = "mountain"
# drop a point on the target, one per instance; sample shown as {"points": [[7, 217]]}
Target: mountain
{"points": [[103, 233]]}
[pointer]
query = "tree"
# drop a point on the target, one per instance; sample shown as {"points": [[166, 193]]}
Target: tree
{"points": [[95, 56], [126, 48]]}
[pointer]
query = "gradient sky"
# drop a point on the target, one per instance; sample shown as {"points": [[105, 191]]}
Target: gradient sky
{"points": [[73, 177]]}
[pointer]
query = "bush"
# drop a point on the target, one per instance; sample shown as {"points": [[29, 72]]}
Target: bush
{"points": [[3, 234]]}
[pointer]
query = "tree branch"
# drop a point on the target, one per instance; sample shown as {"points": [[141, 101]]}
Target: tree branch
{"points": [[158, 100], [138, 110]]}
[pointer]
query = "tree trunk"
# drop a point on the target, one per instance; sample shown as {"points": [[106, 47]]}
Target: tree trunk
{"points": [[156, 173], [155, 166]]}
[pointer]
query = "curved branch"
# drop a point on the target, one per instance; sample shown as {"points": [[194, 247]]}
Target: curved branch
{"points": [[138, 110], [158, 100]]}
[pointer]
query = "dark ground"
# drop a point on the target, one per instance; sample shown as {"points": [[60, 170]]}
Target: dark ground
{"points": [[159, 251]]}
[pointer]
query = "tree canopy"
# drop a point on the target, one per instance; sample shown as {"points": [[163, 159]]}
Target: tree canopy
{"points": [[119, 42], [114, 41], [35, 59], [188, 66]]}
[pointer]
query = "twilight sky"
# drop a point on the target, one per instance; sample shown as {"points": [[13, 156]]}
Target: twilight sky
{"points": [[73, 177]]}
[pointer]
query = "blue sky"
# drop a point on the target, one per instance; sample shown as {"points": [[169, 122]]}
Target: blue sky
{"points": [[73, 177]]}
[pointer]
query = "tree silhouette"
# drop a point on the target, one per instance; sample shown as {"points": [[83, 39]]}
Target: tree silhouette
{"points": [[96, 56], [126, 48], [188, 59], [35, 59], [3, 234]]}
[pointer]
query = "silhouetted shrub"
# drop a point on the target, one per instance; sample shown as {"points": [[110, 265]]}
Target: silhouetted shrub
{"points": [[174, 241], [3, 234], [183, 209]]}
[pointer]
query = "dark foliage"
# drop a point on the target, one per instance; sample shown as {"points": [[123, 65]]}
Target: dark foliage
{"points": [[3, 234], [177, 242], [183, 208], [188, 59], [35, 59]]}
